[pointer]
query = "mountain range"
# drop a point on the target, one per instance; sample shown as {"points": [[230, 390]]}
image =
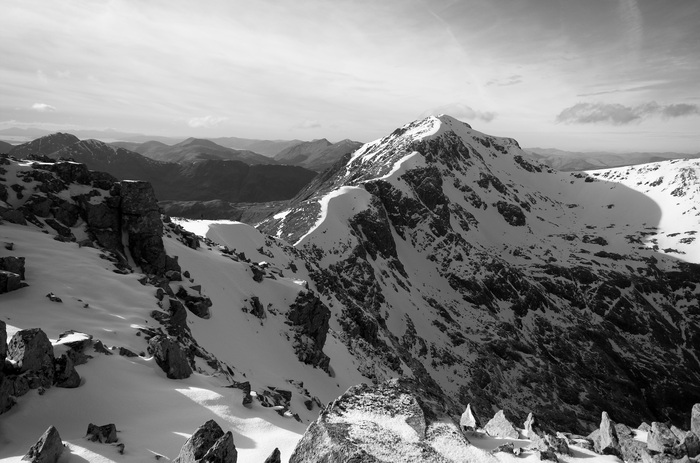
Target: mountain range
{"points": [[579, 161], [438, 254]]}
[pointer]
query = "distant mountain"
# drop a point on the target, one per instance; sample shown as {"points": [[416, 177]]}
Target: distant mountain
{"points": [[196, 149], [5, 147], [265, 147], [578, 161], [44, 145], [226, 180], [316, 155]]}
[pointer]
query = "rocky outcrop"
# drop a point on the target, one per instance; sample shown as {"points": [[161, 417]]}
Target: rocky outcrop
{"points": [[606, 441], [661, 439], [31, 351], [377, 423], [48, 448], [695, 419], [308, 316], [170, 357], [208, 444], [500, 426], [468, 421], [66, 376], [105, 434], [11, 273], [275, 457]]}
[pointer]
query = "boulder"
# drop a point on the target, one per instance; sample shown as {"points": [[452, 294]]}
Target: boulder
{"points": [[607, 442], [508, 447], [105, 434], [275, 457], [223, 451], [13, 264], [47, 449], [499, 426], [200, 442], [170, 357], [66, 376], [695, 419], [531, 427], [468, 421], [661, 439], [9, 281], [31, 350], [396, 420]]}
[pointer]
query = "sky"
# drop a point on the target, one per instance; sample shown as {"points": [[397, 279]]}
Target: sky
{"points": [[614, 75]]}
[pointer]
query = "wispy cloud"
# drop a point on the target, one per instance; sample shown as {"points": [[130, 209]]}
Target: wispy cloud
{"points": [[309, 124], [43, 107], [511, 80], [618, 114], [206, 121], [461, 111]]}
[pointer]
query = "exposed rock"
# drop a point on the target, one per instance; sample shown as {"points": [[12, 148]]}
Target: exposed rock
{"points": [[200, 442], [274, 457], [66, 376], [547, 455], [257, 309], [31, 350], [170, 357], [678, 432], [661, 439], [3, 342], [695, 419], [309, 316], [142, 223], [9, 281], [499, 426], [531, 427], [691, 444], [377, 423], [223, 451], [47, 449], [508, 447], [468, 421], [644, 427], [607, 442], [53, 298], [13, 264], [198, 305], [105, 434]]}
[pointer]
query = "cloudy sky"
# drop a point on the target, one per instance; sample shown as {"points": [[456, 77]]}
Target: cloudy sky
{"points": [[571, 74]]}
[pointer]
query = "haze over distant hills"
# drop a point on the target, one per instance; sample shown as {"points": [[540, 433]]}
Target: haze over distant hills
{"points": [[316, 155], [577, 161]]}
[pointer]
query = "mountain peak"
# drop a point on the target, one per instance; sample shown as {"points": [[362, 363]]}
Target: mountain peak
{"points": [[44, 146]]}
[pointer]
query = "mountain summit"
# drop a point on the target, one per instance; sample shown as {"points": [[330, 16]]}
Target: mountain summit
{"points": [[457, 260]]}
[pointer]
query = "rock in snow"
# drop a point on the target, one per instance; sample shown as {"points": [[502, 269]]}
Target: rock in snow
{"points": [[607, 443], [105, 434], [468, 421], [208, 444], [392, 421], [274, 457], [170, 357], [499, 426], [31, 350], [48, 448]]}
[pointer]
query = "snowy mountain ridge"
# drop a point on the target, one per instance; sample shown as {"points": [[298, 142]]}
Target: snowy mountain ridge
{"points": [[438, 254]]}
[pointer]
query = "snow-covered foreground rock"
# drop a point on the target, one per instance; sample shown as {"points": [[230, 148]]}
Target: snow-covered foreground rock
{"points": [[437, 254]]}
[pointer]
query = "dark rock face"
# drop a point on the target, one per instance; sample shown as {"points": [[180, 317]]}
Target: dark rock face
{"points": [[353, 427], [105, 434], [223, 451], [309, 317], [48, 448], [32, 351], [170, 357], [274, 457], [66, 376], [141, 220], [9, 281], [209, 444], [3, 342], [13, 264]]}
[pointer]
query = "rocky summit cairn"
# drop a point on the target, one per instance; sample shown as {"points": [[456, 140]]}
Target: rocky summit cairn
{"points": [[606, 442], [208, 444], [468, 421], [499, 426], [47, 449]]}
